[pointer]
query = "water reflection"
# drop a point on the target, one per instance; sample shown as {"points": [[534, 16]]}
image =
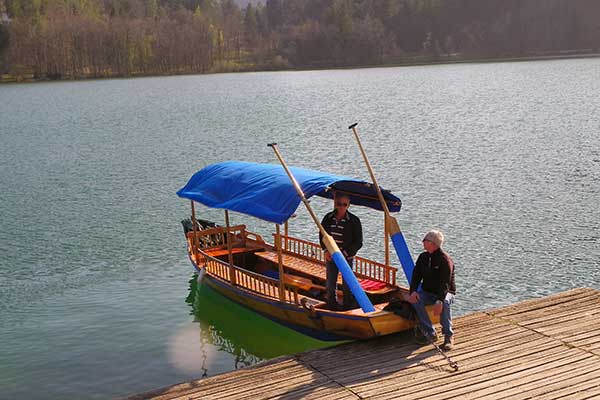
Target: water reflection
{"points": [[244, 335]]}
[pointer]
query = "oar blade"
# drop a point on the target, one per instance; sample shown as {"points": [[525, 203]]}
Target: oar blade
{"points": [[352, 282], [408, 265]]}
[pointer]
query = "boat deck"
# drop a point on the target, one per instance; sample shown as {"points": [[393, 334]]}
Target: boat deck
{"points": [[546, 348], [295, 264]]}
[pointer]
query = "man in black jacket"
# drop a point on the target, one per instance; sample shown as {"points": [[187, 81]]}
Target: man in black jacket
{"points": [[346, 230], [434, 271]]}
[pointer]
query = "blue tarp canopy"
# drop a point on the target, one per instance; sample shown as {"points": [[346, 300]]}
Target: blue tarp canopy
{"points": [[265, 191]]}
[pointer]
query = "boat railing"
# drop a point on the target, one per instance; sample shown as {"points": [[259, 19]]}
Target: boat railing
{"points": [[217, 236], [362, 266], [251, 281], [375, 270], [253, 236], [302, 248]]}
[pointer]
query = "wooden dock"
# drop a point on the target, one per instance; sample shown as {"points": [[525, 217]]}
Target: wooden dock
{"points": [[546, 348]]}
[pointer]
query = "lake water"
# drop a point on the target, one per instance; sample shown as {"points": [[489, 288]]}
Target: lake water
{"points": [[97, 296]]}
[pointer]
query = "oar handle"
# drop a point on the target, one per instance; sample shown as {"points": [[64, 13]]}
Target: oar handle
{"points": [[364, 154], [299, 191], [392, 227]]}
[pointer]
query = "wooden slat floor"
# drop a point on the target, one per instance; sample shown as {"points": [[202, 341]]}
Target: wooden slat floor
{"points": [[297, 264], [546, 348]]}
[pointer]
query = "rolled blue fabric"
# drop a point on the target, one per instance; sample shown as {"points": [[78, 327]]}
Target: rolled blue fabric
{"points": [[352, 282], [408, 265]]}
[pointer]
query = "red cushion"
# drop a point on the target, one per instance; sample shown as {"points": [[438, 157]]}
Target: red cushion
{"points": [[368, 284]]}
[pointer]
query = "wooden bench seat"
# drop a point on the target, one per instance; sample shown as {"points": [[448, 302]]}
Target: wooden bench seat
{"points": [[235, 250], [302, 283], [297, 264]]}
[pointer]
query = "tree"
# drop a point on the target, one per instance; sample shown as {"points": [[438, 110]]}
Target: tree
{"points": [[431, 47], [4, 38], [341, 15], [262, 20], [4, 43], [316, 9], [152, 8], [250, 26], [209, 8], [14, 8], [274, 10]]}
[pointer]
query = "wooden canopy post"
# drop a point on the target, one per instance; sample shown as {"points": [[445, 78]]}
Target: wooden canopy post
{"points": [[280, 263], [285, 233], [229, 253], [386, 241], [195, 230]]}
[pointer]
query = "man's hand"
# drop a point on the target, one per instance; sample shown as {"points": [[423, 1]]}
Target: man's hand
{"points": [[437, 308], [413, 298], [327, 256]]}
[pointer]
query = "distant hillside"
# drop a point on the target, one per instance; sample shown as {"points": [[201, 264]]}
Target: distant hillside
{"points": [[70, 39]]}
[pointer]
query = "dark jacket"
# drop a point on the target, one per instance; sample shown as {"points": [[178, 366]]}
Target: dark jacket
{"points": [[436, 270], [347, 232]]}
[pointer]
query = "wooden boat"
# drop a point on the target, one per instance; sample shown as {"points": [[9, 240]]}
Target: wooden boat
{"points": [[285, 280]]}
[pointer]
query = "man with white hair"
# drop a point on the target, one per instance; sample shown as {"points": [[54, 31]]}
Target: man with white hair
{"points": [[434, 271]]}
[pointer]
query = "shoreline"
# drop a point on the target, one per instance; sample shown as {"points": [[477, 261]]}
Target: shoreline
{"points": [[29, 77]]}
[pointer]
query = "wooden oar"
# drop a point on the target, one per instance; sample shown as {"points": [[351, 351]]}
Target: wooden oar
{"points": [[453, 364], [330, 244], [392, 227]]}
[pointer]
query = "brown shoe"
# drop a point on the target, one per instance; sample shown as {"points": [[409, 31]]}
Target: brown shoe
{"points": [[448, 343]]}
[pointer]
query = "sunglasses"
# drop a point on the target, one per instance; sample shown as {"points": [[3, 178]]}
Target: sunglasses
{"points": [[341, 204]]}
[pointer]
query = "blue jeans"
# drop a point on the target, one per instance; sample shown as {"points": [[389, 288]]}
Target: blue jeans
{"points": [[426, 298], [331, 284]]}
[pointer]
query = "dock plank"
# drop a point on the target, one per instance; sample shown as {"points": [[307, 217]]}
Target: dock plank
{"points": [[547, 348], [376, 373], [430, 382], [538, 307], [562, 380]]}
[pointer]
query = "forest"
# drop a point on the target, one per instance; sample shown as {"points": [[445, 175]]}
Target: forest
{"points": [[72, 39]]}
